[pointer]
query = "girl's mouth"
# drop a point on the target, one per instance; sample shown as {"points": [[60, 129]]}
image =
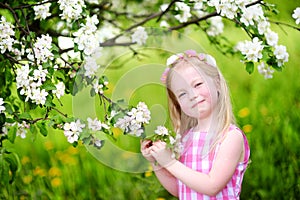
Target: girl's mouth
{"points": [[197, 103]]}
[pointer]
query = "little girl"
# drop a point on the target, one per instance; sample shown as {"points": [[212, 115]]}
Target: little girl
{"points": [[216, 153]]}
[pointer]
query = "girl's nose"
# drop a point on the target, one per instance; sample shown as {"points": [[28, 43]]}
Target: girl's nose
{"points": [[192, 95]]}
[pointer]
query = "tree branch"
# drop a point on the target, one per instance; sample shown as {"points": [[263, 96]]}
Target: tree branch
{"points": [[112, 40], [285, 24], [165, 11], [193, 21]]}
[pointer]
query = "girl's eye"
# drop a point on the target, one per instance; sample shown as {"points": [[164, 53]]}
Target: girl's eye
{"points": [[198, 84], [181, 94]]}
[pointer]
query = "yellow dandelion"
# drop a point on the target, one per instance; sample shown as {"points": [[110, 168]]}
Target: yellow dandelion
{"points": [[56, 182], [27, 179], [23, 197], [72, 150], [54, 171], [244, 112], [39, 172], [247, 128], [25, 160], [160, 198], [70, 160], [148, 173], [48, 145]]}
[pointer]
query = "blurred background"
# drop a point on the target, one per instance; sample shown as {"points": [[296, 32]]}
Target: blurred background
{"points": [[267, 110]]}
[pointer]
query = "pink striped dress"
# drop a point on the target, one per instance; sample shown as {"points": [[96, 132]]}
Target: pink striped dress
{"points": [[190, 157]]}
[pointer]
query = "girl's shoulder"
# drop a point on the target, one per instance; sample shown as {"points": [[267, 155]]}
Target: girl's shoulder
{"points": [[235, 131]]}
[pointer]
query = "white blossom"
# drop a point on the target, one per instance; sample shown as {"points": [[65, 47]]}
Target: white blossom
{"points": [[42, 11], [271, 37], [29, 83], [90, 66], [252, 14], [139, 36], [71, 9], [251, 49], [296, 15], [134, 119], [60, 90], [39, 96], [96, 125], [161, 130], [86, 37], [146, 112], [22, 129], [216, 26], [172, 59], [72, 130], [263, 26], [6, 36], [123, 123], [226, 8], [22, 78], [137, 132], [185, 12], [164, 7], [281, 54], [107, 31], [41, 50], [265, 70], [164, 24], [98, 87], [5, 128], [98, 143], [2, 108], [39, 76]]}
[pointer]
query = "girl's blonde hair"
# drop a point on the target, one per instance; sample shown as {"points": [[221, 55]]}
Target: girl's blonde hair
{"points": [[223, 110]]}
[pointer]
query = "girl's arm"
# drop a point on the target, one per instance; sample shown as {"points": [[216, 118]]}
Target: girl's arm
{"points": [[228, 157], [168, 181]]}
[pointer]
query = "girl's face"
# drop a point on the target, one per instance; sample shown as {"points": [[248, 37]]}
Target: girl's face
{"points": [[195, 92]]}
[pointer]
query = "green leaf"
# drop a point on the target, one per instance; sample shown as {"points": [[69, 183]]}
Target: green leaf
{"points": [[92, 92], [48, 86], [13, 160], [25, 115], [4, 171], [34, 131], [43, 128], [2, 119], [59, 75], [12, 133], [8, 108], [250, 67], [54, 48], [49, 102]]}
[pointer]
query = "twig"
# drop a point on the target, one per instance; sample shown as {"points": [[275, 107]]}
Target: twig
{"points": [[15, 16], [285, 24], [112, 40], [194, 21], [31, 5], [165, 11]]}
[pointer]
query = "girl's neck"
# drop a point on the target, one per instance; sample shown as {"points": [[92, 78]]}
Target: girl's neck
{"points": [[204, 125]]}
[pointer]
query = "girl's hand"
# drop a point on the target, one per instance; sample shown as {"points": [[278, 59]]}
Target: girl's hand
{"points": [[162, 155], [145, 149]]}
